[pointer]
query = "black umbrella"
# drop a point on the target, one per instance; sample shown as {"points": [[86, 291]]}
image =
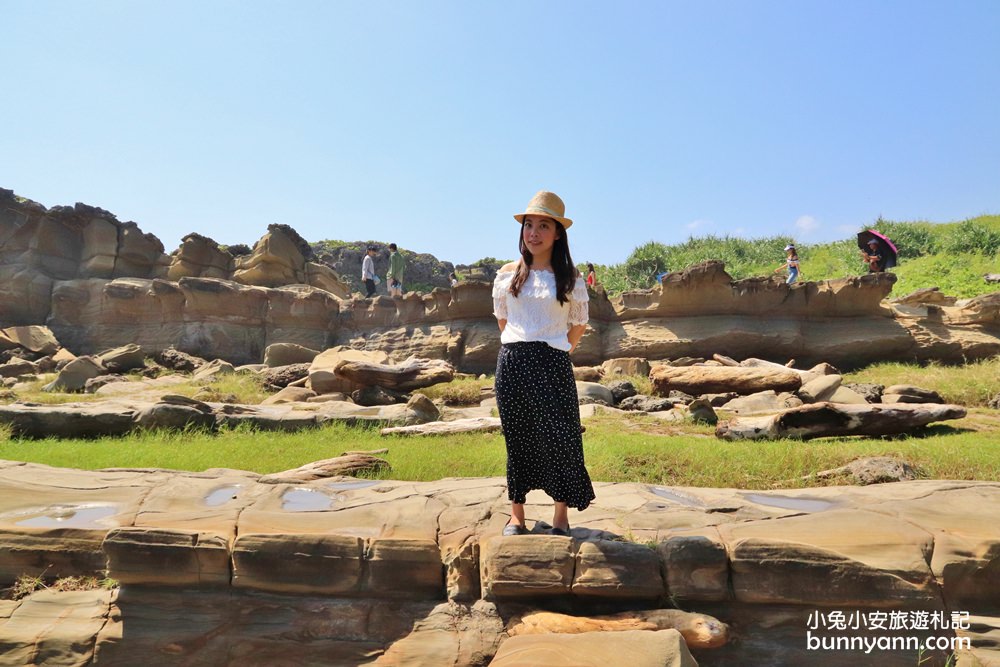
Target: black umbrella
{"points": [[886, 248]]}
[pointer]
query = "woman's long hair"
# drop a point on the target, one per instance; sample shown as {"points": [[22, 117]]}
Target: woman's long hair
{"points": [[562, 264]]}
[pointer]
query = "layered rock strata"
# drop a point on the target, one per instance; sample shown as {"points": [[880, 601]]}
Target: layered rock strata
{"points": [[99, 283], [218, 567]]}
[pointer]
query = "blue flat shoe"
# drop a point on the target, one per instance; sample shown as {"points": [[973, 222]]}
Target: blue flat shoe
{"points": [[510, 529]]}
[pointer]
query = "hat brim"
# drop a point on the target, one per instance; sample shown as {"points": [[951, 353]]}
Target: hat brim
{"points": [[565, 222]]}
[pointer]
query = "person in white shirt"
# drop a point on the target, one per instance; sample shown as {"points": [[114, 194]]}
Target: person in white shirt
{"points": [[541, 306], [368, 272]]}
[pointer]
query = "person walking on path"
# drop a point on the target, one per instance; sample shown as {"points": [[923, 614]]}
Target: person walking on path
{"points": [[791, 264], [368, 272], [591, 275], [395, 275], [541, 306]]}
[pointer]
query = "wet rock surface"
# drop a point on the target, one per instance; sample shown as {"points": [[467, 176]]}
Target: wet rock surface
{"points": [[339, 570]]}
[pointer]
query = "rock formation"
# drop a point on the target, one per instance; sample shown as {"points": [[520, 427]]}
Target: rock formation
{"points": [[220, 567], [99, 283]]}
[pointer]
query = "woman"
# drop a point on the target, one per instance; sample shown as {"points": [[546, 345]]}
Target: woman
{"points": [[791, 264], [591, 275], [873, 258], [541, 307]]}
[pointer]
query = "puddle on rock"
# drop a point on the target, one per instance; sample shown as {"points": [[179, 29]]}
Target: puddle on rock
{"points": [[222, 495], [305, 500], [801, 504], [81, 515], [358, 484], [679, 498]]}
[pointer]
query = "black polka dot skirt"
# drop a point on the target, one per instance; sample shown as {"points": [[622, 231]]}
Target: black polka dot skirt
{"points": [[540, 415]]}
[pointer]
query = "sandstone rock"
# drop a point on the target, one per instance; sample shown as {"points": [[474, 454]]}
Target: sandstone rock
{"points": [[926, 295], [413, 373], [122, 359], [871, 392], [34, 338], [285, 354], [871, 470], [68, 420], [587, 373], [378, 396], [324, 398], [471, 425], [698, 630], [283, 376], [526, 566], [695, 565], [289, 395], [200, 257], [761, 403], [345, 465], [625, 366], [179, 361], [846, 395], [647, 403], [664, 648], [707, 379], [278, 258], [617, 570], [93, 384], [213, 369], [594, 392], [830, 419], [686, 361], [820, 389], [620, 390], [701, 411], [156, 556], [715, 400], [176, 415], [907, 393], [74, 375], [18, 367], [322, 378]]}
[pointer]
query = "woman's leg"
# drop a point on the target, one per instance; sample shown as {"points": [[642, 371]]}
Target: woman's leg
{"points": [[560, 516], [516, 514]]}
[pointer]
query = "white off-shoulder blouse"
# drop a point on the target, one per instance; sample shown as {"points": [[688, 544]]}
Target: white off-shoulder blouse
{"points": [[535, 314]]}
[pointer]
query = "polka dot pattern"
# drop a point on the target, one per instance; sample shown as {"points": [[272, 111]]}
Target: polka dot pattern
{"points": [[540, 416]]}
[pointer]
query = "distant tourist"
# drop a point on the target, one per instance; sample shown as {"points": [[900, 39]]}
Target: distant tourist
{"points": [[591, 275], [791, 264], [453, 279], [395, 275], [873, 257], [658, 277], [541, 306], [368, 272]]}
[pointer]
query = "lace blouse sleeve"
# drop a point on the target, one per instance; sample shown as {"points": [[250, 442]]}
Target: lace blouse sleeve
{"points": [[501, 286], [579, 306]]}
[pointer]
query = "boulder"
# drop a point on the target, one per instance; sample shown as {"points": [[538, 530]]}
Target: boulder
{"points": [[378, 396], [323, 379], [820, 389], [587, 373], [343, 465], [74, 375], [625, 366], [18, 367], [594, 392], [621, 389], [176, 413], [179, 361], [698, 630], [285, 354], [871, 392], [870, 470], [647, 403], [289, 395], [213, 369], [762, 403], [93, 384], [847, 395], [701, 411], [716, 379], [468, 425], [635, 648], [907, 393], [34, 338], [123, 359], [413, 373], [283, 376]]}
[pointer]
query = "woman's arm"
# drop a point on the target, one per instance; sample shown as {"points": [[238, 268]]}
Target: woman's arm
{"points": [[574, 335], [501, 324]]}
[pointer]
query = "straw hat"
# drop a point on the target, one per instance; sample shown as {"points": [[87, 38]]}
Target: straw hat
{"points": [[548, 204]]}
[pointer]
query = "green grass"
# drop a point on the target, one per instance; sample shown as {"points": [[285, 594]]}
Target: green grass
{"points": [[953, 256], [461, 391], [631, 449]]}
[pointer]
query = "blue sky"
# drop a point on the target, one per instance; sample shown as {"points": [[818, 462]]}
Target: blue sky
{"points": [[430, 123]]}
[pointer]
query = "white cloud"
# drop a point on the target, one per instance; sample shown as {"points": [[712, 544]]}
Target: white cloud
{"points": [[806, 224], [697, 224]]}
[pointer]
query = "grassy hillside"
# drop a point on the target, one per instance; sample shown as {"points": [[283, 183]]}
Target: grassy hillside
{"points": [[952, 256]]}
